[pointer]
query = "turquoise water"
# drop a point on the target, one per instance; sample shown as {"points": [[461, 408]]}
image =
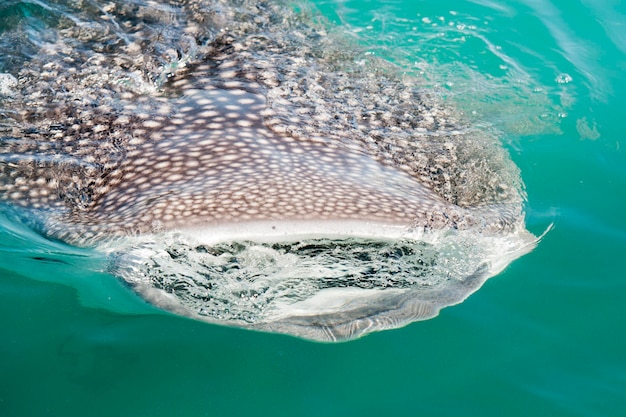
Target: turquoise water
{"points": [[545, 337]]}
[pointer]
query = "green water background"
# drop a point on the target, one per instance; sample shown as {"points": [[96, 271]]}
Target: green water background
{"points": [[545, 338]]}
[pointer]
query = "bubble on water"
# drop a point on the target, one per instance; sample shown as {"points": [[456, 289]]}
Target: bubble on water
{"points": [[563, 78]]}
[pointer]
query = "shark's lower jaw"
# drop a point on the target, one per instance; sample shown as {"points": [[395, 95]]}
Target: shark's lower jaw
{"points": [[300, 283]]}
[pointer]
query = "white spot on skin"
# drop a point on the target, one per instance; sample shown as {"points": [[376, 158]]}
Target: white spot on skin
{"points": [[162, 165], [208, 114], [151, 124], [246, 101], [243, 123], [122, 120]]}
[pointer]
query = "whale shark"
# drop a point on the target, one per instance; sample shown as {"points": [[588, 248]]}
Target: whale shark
{"points": [[243, 165]]}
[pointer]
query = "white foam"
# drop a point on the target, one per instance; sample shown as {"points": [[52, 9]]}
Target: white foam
{"points": [[7, 84]]}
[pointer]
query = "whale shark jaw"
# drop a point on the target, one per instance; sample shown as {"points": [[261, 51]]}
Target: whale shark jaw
{"points": [[304, 283]]}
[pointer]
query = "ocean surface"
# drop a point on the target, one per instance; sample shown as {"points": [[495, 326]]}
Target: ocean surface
{"points": [[546, 337]]}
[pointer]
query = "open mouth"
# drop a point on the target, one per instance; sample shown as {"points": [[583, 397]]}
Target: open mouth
{"points": [[325, 289]]}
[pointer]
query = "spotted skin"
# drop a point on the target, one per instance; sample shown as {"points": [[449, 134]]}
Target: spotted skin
{"points": [[213, 162], [244, 134]]}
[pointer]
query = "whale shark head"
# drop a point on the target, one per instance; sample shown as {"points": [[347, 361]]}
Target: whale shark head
{"points": [[260, 183]]}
